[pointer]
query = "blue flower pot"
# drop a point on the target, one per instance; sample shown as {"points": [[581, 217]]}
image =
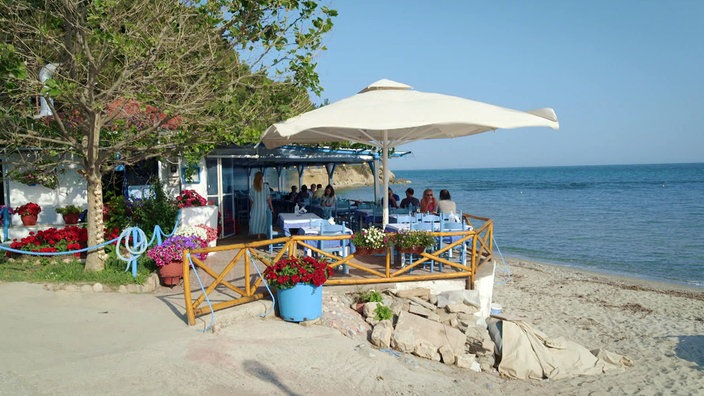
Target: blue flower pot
{"points": [[301, 302]]}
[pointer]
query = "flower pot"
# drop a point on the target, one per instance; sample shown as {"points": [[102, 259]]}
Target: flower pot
{"points": [[71, 218], [364, 251], [171, 273], [412, 250], [29, 220], [301, 302]]}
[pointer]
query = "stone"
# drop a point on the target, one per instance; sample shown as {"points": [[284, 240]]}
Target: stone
{"points": [[448, 357], [458, 307], [98, 287], [122, 289], [403, 340], [381, 334], [427, 350], [419, 310], [397, 306], [422, 303], [416, 292], [86, 288], [71, 288], [427, 330], [133, 288], [450, 297], [466, 360], [369, 309]]}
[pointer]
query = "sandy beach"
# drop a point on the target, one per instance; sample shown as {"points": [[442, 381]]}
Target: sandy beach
{"points": [[78, 342]]}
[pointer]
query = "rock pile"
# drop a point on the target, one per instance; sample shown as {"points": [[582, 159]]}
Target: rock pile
{"points": [[441, 327]]}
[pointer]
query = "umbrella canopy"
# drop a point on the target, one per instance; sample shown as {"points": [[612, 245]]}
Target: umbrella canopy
{"points": [[387, 114]]}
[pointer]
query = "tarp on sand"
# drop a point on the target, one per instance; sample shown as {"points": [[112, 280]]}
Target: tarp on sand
{"points": [[528, 353]]}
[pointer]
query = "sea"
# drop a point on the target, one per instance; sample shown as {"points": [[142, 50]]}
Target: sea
{"points": [[643, 221]]}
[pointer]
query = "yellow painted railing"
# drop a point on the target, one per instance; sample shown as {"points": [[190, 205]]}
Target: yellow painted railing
{"points": [[243, 285]]}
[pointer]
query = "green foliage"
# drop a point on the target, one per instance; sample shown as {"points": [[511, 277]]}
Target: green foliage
{"points": [[371, 296], [150, 79], [412, 238], [156, 210], [69, 209], [383, 312], [117, 211], [68, 269]]}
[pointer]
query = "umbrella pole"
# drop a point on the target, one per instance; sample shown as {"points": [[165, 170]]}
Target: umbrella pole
{"points": [[385, 191]]}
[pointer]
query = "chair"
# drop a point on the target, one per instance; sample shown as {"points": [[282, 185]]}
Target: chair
{"points": [[271, 233], [430, 227], [340, 247], [343, 211], [448, 224]]}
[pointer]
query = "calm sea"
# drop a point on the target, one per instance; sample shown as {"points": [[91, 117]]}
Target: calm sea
{"points": [[637, 220]]}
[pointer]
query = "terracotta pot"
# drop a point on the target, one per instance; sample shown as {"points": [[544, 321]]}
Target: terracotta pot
{"points": [[71, 218], [412, 250], [170, 274], [29, 220], [363, 251]]}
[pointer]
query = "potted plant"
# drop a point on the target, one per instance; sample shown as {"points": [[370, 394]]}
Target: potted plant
{"points": [[298, 282], [371, 240], [28, 213], [190, 198], [168, 257], [202, 231], [412, 241], [70, 213]]}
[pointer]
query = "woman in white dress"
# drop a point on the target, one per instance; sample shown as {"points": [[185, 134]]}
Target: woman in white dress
{"points": [[259, 203]]}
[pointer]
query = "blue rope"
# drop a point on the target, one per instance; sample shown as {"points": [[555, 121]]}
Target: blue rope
{"points": [[137, 247], [210, 305], [266, 284]]}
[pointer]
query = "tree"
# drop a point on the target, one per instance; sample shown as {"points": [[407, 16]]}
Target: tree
{"points": [[140, 79]]}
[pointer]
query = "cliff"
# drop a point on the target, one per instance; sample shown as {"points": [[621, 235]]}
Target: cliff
{"points": [[345, 176]]}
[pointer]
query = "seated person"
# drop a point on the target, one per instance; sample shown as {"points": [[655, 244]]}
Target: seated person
{"points": [[410, 201], [319, 192], [393, 199], [328, 201], [428, 204], [292, 195], [446, 204], [303, 197]]}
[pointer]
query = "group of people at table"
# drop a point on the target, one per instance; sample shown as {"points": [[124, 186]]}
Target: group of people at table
{"points": [[261, 202], [427, 204]]}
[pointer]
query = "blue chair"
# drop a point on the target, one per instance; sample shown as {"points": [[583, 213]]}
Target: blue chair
{"points": [[340, 247], [271, 233], [448, 223], [430, 227]]}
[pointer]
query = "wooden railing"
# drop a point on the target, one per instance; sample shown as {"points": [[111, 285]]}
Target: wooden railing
{"points": [[245, 284]]}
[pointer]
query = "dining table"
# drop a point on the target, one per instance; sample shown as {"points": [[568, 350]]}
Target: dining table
{"points": [[291, 221]]}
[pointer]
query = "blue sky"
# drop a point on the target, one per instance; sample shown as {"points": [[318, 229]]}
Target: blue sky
{"points": [[626, 78]]}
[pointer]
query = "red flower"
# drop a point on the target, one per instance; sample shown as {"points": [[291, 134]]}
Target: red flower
{"points": [[291, 271]]}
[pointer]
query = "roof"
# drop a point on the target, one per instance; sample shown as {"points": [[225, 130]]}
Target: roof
{"points": [[261, 157]]}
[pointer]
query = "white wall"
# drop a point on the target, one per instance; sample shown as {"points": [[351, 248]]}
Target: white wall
{"points": [[71, 190]]}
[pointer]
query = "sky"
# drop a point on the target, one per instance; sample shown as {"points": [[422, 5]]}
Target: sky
{"points": [[626, 78]]}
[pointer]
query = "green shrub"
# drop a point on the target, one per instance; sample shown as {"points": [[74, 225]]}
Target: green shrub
{"points": [[383, 312], [155, 210], [371, 296], [117, 212]]}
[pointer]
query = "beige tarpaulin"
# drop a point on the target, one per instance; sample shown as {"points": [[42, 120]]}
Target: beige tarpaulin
{"points": [[528, 353]]}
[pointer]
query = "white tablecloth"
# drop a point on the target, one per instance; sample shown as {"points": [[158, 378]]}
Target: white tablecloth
{"points": [[287, 221]]}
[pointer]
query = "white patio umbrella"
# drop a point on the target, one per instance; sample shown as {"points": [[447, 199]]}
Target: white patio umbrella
{"points": [[387, 114]]}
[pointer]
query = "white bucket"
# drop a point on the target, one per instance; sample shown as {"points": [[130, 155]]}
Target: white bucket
{"points": [[496, 309]]}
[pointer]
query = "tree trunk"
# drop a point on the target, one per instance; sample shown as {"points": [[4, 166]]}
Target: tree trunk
{"points": [[95, 260]]}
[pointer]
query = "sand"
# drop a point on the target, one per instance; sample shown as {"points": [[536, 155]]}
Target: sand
{"points": [[73, 342]]}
